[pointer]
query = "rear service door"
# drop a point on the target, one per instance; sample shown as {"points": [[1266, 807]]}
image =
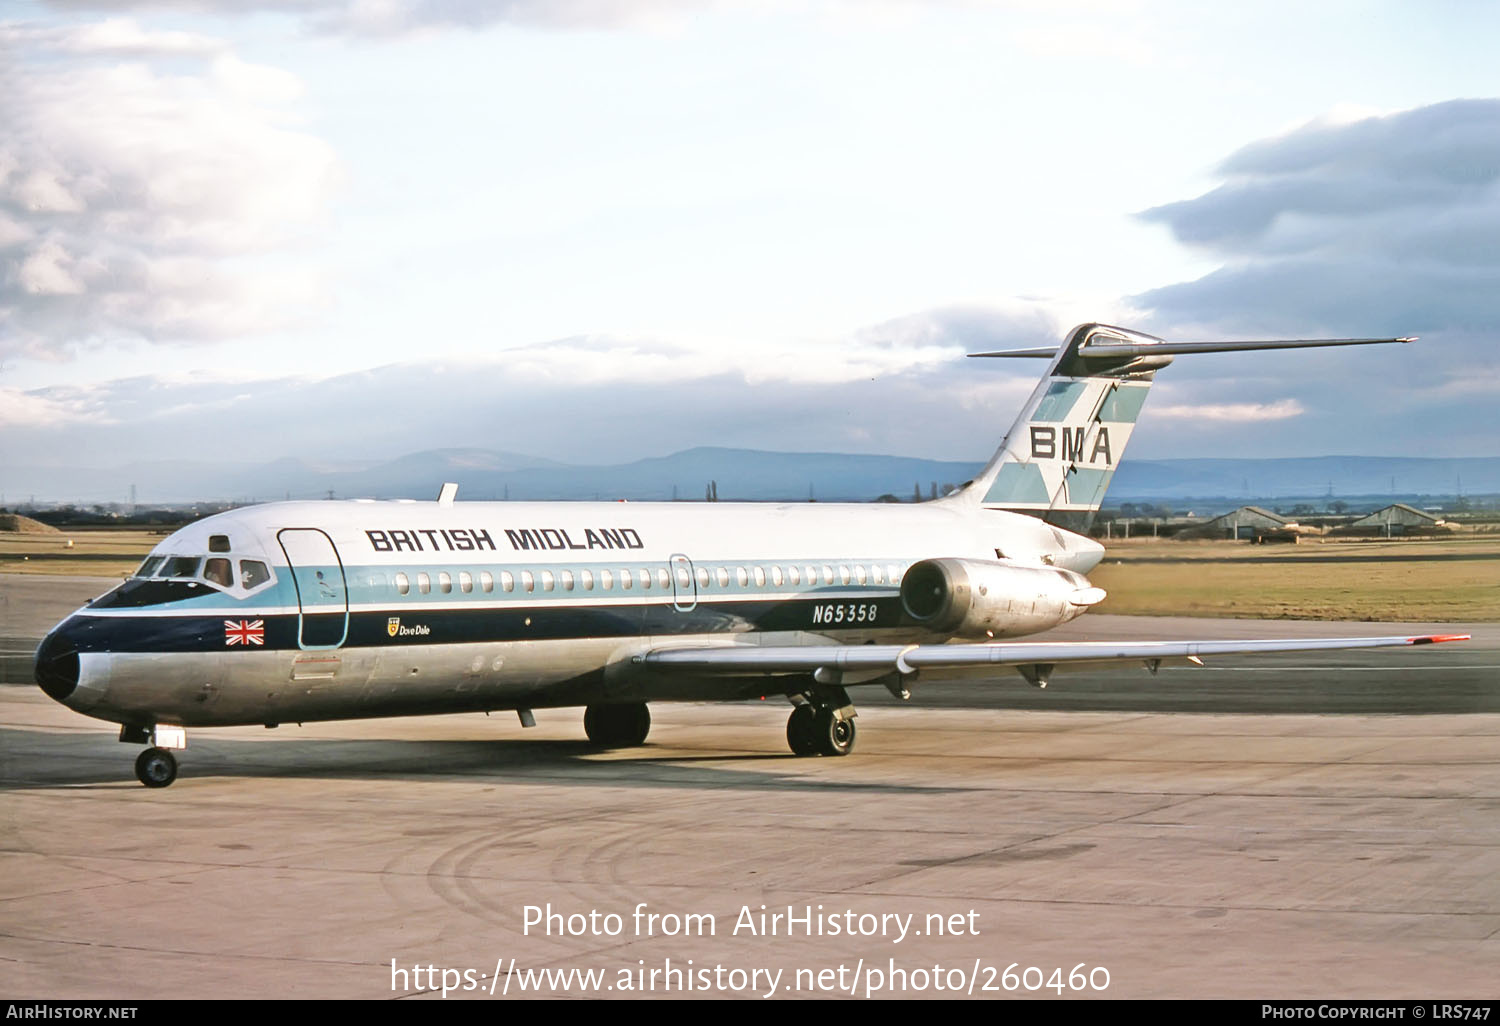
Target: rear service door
{"points": [[322, 595]]}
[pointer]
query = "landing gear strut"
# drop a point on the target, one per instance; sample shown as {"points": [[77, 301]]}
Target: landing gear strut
{"points": [[823, 724], [617, 726], [156, 767]]}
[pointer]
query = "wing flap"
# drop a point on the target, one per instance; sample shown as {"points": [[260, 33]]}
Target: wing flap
{"points": [[906, 659]]}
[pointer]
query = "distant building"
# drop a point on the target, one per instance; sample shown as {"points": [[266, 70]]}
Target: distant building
{"points": [[1247, 522], [1397, 518]]}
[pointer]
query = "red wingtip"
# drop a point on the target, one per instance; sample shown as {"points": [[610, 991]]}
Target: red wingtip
{"points": [[1434, 639]]}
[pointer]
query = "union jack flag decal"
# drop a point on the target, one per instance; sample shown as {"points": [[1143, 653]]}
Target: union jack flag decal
{"points": [[244, 632]]}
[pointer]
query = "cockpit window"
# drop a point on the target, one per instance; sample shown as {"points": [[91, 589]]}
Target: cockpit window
{"points": [[253, 574], [218, 543], [218, 570], [181, 566], [148, 568]]}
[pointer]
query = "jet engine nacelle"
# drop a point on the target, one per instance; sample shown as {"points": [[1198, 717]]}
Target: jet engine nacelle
{"points": [[972, 598]]}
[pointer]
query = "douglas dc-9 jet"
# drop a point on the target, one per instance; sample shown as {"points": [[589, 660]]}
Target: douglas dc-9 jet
{"points": [[306, 611]]}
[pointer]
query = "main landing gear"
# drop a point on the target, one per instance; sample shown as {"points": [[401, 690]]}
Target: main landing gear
{"points": [[156, 766], [822, 723], [617, 726]]}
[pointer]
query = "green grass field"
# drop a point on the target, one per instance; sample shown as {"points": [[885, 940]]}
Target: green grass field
{"points": [[1445, 579]]}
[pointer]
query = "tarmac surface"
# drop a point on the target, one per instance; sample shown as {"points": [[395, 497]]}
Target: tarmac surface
{"points": [[1265, 853]]}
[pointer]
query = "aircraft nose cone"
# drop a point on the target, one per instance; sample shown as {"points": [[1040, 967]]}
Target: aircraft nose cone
{"points": [[57, 665]]}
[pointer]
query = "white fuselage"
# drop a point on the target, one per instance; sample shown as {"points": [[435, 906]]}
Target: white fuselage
{"points": [[332, 610]]}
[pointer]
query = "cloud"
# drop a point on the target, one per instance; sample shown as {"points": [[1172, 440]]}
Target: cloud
{"points": [[117, 37], [598, 400], [399, 18], [1384, 225], [1234, 412], [137, 202], [405, 17], [50, 410]]}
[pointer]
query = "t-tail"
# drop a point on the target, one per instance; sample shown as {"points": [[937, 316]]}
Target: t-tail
{"points": [[1057, 459]]}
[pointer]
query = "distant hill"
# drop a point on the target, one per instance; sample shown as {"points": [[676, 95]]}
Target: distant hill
{"points": [[740, 474], [18, 524]]}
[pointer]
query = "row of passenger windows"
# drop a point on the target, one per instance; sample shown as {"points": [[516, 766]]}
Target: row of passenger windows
{"points": [[661, 578]]}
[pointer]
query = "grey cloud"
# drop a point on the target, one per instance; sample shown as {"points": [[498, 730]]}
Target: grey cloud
{"points": [[1386, 226], [1417, 162]]}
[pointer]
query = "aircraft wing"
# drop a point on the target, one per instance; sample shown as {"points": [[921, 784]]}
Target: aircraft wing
{"points": [[1040, 657]]}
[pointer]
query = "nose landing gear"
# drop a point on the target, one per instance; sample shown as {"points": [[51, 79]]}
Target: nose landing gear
{"points": [[156, 767]]}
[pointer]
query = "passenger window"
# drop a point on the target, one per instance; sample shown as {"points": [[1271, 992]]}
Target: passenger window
{"points": [[567, 580], [218, 543], [445, 582], [828, 574], [487, 581], [626, 580], [645, 578], [218, 571], [465, 581], [812, 575], [664, 579], [894, 573], [424, 583], [875, 574], [702, 577], [586, 578], [181, 566], [547, 580], [528, 582], [507, 582], [776, 576], [859, 573], [148, 568], [760, 577], [403, 583], [843, 574], [793, 575], [741, 577], [606, 580], [684, 579]]}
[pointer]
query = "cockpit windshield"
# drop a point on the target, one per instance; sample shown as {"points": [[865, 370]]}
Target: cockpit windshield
{"points": [[180, 566], [218, 571]]}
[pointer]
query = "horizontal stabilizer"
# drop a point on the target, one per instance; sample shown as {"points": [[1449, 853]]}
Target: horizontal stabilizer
{"points": [[1038, 352], [1104, 347]]}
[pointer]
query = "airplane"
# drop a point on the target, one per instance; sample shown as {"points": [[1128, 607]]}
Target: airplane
{"points": [[312, 611]]}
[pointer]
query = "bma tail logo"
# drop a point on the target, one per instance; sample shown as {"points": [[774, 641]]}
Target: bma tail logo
{"points": [[1044, 445], [393, 626]]}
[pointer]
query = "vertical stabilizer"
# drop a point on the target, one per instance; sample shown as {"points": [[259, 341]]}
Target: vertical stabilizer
{"points": [[1057, 459]]}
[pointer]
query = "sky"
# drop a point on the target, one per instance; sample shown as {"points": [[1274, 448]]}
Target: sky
{"points": [[588, 231]]}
